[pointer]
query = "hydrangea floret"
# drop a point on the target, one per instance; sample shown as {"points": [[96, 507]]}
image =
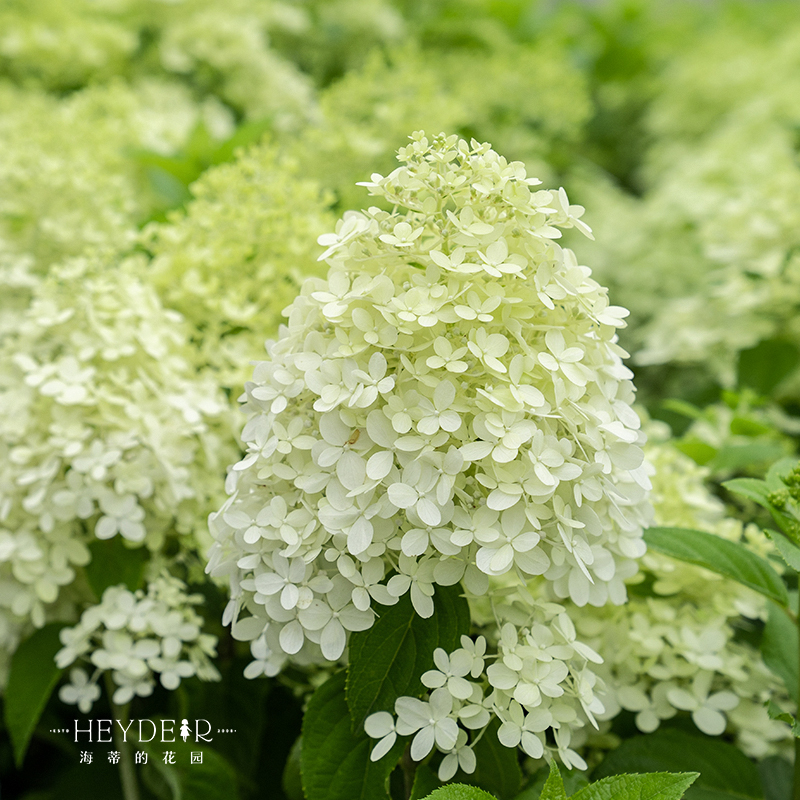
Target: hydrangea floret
{"points": [[449, 406], [137, 637]]}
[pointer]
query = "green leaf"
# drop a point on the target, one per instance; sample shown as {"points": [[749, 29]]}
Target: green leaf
{"points": [[573, 780], [292, 782], [214, 778], [425, 781], [653, 786], [751, 488], [744, 426], [789, 552], [700, 452], [246, 134], [387, 661], [725, 772], [730, 559], [497, 769], [775, 712], [764, 366], [759, 492], [776, 775], [779, 470], [779, 647], [459, 791], [113, 563], [553, 788], [734, 457], [334, 762], [32, 677]]}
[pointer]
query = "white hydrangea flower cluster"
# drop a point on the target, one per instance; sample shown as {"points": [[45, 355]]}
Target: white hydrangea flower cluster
{"points": [[107, 430], [540, 681], [674, 647], [449, 406], [136, 636]]}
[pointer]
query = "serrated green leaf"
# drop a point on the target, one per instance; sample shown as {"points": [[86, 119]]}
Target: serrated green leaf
{"points": [[653, 786], [114, 563], [751, 488], [553, 788], [775, 712], [759, 491], [32, 677], [574, 780], [387, 661], [459, 791], [725, 772], [730, 559], [334, 762], [788, 551], [497, 769], [779, 645]]}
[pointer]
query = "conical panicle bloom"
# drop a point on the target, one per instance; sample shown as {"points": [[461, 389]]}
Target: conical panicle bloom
{"points": [[449, 405]]}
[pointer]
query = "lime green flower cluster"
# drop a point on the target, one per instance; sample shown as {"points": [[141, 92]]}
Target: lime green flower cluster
{"points": [[217, 50], [68, 181], [108, 430], [236, 258]]}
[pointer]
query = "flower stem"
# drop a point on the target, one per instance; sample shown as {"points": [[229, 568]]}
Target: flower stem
{"points": [[409, 770], [127, 772]]}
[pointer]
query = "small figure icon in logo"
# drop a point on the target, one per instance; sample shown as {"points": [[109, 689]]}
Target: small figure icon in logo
{"points": [[185, 729]]}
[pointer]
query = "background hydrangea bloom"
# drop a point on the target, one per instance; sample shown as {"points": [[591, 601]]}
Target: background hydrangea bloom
{"points": [[675, 647], [108, 431], [237, 256]]}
